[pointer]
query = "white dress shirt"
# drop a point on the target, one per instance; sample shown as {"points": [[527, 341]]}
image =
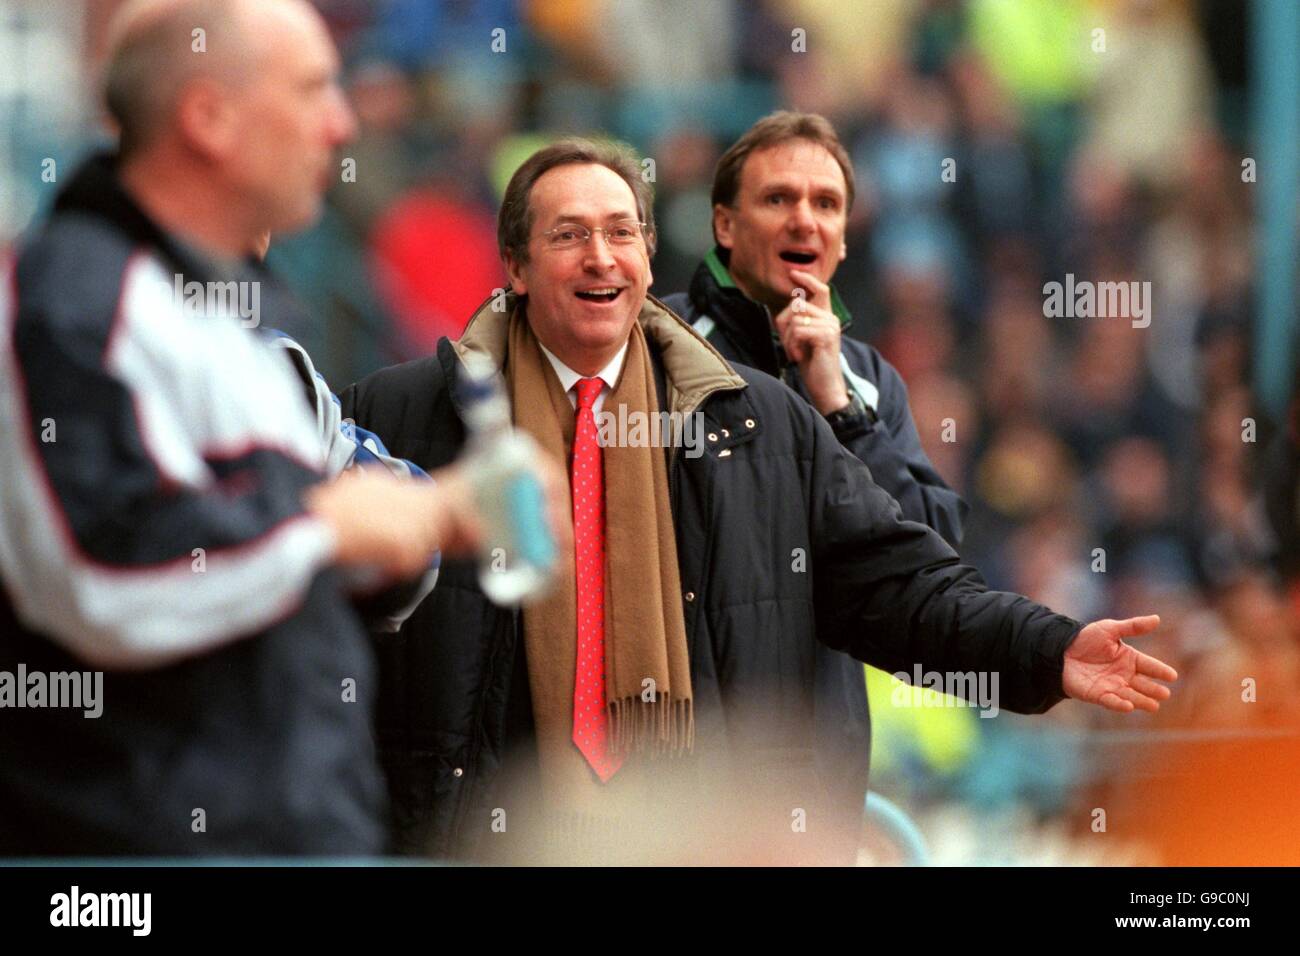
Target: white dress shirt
{"points": [[569, 378]]}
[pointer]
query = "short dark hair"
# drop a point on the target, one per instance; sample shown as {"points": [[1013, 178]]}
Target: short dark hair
{"points": [[515, 220], [772, 130]]}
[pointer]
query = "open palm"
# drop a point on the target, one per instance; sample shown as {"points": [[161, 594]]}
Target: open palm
{"points": [[1101, 669]]}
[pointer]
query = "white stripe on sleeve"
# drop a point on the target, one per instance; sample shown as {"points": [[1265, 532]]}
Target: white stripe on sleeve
{"points": [[149, 616]]}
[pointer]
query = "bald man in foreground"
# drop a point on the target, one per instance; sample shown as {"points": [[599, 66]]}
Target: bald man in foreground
{"points": [[165, 517]]}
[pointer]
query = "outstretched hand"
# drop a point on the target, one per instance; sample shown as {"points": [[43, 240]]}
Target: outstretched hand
{"points": [[1101, 669]]}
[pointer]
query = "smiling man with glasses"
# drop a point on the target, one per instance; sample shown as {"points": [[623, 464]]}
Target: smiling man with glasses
{"points": [[658, 705]]}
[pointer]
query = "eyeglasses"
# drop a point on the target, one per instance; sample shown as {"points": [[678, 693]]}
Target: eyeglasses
{"points": [[570, 235]]}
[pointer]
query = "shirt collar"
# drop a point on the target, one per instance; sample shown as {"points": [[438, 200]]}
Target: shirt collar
{"points": [[569, 378]]}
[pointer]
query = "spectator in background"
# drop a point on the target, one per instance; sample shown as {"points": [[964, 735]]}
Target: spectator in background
{"points": [[428, 299], [685, 159], [1151, 89]]}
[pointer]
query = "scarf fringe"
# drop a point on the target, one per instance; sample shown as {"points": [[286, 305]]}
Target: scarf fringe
{"points": [[663, 726]]}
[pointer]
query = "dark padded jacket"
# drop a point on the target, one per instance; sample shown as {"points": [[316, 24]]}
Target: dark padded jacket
{"points": [[773, 484], [741, 330]]}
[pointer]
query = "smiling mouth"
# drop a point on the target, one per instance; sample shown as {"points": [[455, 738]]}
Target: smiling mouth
{"points": [[599, 295], [799, 258]]}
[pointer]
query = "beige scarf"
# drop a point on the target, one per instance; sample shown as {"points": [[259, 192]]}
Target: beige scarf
{"points": [[645, 633]]}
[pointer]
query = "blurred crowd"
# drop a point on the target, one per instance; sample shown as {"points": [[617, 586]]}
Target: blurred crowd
{"points": [[1111, 469]]}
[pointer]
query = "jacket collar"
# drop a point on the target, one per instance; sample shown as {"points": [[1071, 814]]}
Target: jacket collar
{"points": [[713, 292], [96, 190], [693, 369], [716, 260]]}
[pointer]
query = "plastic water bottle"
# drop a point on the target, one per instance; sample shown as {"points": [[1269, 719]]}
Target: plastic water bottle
{"points": [[519, 552]]}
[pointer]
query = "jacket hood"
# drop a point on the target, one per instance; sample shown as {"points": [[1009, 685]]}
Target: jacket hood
{"points": [[693, 368]]}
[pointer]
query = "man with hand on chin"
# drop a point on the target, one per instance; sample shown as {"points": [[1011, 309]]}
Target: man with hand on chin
{"points": [[781, 200]]}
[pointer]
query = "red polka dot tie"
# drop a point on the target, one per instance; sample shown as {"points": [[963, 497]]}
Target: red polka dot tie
{"points": [[590, 721]]}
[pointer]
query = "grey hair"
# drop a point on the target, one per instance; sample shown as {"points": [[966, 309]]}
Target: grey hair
{"points": [[151, 58]]}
